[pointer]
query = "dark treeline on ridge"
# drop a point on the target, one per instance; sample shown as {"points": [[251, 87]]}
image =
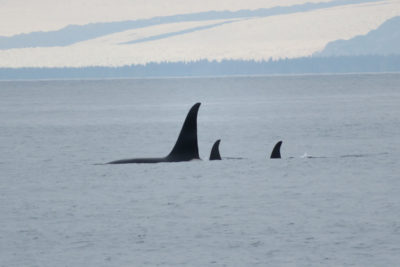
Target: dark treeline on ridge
{"points": [[345, 64]]}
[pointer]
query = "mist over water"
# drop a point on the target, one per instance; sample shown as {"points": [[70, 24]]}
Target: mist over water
{"points": [[332, 199]]}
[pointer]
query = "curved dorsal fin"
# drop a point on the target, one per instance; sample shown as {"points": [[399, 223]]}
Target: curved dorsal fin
{"points": [[276, 152], [186, 147], [215, 151]]}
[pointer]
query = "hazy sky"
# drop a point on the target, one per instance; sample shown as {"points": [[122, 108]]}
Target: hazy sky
{"points": [[257, 38]]}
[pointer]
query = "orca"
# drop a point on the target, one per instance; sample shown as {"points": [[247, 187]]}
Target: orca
{"points": [[276, 152], [186, 146], [214, 155]]}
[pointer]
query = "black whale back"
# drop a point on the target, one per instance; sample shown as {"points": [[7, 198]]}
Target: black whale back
{"points": [[215, 151], [186, 147]]}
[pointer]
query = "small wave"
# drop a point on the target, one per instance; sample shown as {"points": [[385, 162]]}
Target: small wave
{"points": [[363, 155], [306, 156], [232, 158], [353, 156]]}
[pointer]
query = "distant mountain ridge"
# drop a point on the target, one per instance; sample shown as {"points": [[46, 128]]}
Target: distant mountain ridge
{"points": [[385, 40], [356, 64]]}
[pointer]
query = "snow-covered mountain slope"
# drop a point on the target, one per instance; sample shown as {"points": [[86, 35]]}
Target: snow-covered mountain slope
{"points": [[290, 31], [48, 15]]}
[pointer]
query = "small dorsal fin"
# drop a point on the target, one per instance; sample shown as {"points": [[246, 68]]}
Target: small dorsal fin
{"points": [[276, 152], [214, 155], [186, 147]]}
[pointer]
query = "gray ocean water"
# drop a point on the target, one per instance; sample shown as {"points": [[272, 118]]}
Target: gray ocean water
{"points": [[331, 200]]}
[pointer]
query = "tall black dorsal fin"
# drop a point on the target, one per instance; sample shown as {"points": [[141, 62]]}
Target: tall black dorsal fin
{"points": [[214, 155], [276, 152], [186, 147]]}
